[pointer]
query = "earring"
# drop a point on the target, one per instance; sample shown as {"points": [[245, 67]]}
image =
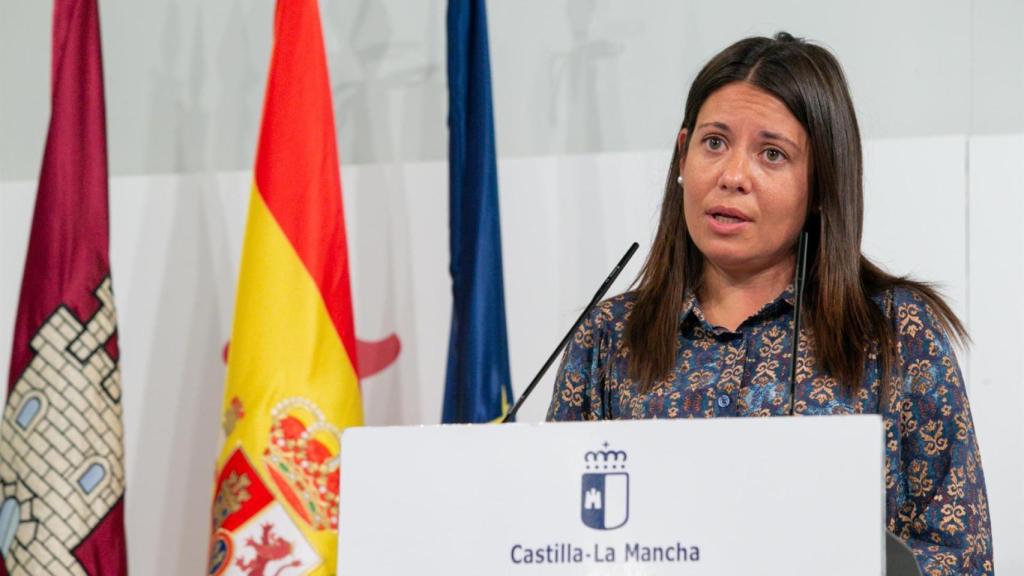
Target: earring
{"points": [[679, 179]]}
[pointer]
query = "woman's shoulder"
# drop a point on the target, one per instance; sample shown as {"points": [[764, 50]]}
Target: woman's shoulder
{"points": [[908, 300], [604, 324], [917, 312], [613, 312], [620, 304]]}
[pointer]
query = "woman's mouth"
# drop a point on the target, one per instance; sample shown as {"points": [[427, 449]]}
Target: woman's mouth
{"points": [[725, 220]]}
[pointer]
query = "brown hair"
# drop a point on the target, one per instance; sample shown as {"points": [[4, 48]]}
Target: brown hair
{"points": [[840, 282]]}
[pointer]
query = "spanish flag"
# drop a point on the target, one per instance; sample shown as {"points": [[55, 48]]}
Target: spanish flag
{"points": [[291, 375]]}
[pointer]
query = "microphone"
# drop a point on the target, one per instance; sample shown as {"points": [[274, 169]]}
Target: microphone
{"points": [[593, 302], [798, 294]]}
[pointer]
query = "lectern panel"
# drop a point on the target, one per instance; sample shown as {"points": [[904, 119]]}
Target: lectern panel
{"points": [[793, 496]]}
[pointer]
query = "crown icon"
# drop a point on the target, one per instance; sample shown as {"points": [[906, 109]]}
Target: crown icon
{"points": [[302, 459], [605, 459]]}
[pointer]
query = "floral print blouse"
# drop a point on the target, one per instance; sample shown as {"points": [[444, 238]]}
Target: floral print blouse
{"points": [[935, 488]]}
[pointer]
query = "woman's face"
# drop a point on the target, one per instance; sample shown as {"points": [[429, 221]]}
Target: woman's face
{"points": [[745, 178]]}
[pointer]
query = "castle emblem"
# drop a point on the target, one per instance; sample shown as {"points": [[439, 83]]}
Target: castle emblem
{"points": [[604, 494], [61, 459]]}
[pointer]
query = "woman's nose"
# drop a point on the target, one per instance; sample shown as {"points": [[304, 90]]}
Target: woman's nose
{"points": [[735, 174]]}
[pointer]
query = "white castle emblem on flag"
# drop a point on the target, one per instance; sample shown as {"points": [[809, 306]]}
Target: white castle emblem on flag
{"points": [[604, 501], [62, 433]]}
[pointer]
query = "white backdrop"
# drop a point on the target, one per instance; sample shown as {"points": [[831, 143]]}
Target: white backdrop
{"points": [[932, 210], [587, 93]]}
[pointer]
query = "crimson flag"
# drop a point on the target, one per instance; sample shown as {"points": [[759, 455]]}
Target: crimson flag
{"points": [[61, 451]]}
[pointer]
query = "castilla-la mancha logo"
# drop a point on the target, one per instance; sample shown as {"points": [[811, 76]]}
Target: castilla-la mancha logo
{"points": [[604, 503]]}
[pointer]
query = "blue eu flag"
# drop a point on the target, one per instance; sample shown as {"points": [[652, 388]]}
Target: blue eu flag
{"points": [[477, 386]]}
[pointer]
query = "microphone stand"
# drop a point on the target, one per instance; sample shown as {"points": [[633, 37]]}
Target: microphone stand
{"points": [[798, 294], [593, 302]]}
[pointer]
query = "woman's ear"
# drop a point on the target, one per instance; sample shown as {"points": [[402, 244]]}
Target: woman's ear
{"points": [[681, 148]]}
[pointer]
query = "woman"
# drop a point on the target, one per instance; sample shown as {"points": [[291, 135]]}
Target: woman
{"points": [[769, 148]]}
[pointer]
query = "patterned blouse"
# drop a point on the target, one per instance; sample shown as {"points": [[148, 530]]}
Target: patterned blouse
{"points": [[935, 488]]}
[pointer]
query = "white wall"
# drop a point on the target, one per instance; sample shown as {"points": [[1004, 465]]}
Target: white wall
{"points": [[995, 211], [176, 241], [588, 96], [185, 78]]}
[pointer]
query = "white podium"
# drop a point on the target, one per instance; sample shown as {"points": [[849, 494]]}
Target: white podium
{"points": [[780, 496]]}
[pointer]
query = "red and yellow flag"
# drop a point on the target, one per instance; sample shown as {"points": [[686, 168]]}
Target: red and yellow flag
{"points": [[291, 376]]}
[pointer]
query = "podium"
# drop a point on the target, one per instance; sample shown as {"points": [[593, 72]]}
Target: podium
{"points": [[788, 496]]}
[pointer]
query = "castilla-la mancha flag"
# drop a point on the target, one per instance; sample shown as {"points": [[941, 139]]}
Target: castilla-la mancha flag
{"points": [[61, 454], [291, 376]]}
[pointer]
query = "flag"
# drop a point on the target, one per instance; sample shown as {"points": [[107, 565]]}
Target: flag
{"points": [[291, 376], [477, 385], [61, 451]]}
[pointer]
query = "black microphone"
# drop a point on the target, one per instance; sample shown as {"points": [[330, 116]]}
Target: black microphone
{"points": [[798, 297], [593, 302]]}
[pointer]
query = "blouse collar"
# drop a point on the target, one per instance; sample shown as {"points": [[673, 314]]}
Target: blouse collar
{"points": [[780, 304]]}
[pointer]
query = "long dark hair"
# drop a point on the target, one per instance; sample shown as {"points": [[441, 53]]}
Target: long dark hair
{"points": [[845, 323]]}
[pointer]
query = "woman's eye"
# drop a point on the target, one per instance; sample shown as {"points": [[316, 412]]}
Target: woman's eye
{"points": [[773, 155], [714, 143]]}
